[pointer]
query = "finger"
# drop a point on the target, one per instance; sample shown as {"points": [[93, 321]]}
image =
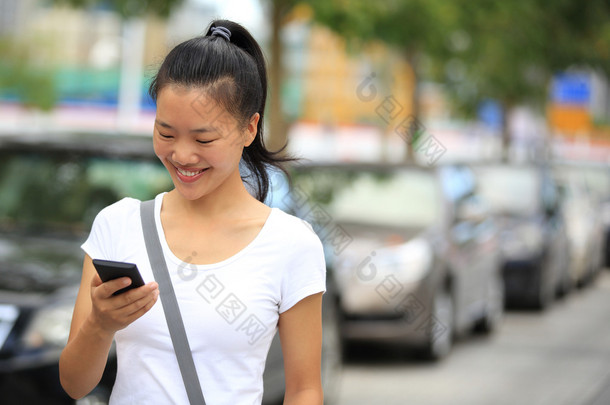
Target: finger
{"points": [[130, 297], [111, 286], [148, 305], [142, 306], [96, 281]]}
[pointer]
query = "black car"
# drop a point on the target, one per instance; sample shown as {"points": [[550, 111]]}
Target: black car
{"points": [[414, 254], [526, 202], [51, 189]]}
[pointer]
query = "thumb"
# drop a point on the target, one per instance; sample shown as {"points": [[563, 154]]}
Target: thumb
{"points": [[96, 281]]}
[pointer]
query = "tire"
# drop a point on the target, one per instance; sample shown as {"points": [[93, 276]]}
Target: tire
{"points": [[439, 326]]}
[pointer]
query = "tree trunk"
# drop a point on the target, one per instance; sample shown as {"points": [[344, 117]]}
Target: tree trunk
{"points": [[276, 136], [417, 127], [506, 136]]}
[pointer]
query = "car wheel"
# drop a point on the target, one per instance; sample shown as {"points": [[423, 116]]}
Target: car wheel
{"points": [[494, 311], [439, 326]]}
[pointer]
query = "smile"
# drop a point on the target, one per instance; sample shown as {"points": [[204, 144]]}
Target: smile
{"points": [[189, 176], [188, 173]]}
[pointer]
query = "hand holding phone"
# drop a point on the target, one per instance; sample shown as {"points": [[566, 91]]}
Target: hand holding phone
{"points": [[110, 270]]}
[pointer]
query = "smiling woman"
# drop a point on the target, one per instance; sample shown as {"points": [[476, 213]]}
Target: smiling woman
{"points": [[200, 150], [255, 270]]}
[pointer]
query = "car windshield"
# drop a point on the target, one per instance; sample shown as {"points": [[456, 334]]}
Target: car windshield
{"points": [[397, 198], [62, 192], [510, 190]]}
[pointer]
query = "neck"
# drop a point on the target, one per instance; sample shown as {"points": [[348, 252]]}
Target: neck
{"points": [[228, 198]]}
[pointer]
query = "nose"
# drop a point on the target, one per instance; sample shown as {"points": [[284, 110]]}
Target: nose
{"points": [[184, 154]]}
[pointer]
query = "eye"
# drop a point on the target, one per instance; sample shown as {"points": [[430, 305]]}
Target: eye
{"points": [[205, 142], [165, 136]]}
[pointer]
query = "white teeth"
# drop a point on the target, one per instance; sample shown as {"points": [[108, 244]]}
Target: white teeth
{"points": [[189, 174]]}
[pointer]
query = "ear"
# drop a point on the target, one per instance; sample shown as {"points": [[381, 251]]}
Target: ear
{"points": [[252, 129]]}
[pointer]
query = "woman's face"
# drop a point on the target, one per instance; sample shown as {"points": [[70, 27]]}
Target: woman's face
{"points": [[198, 141]]}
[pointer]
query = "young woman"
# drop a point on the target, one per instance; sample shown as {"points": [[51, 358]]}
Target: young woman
{"points": [[240, 269]]}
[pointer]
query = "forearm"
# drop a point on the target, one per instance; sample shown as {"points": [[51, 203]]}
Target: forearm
{"points": [[83, 360], [305, 397]]}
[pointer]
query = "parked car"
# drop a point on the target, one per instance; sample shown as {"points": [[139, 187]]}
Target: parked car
{"points": [[415, 256], [51, 188], [582, 218], [597, 177], [527, 204]]}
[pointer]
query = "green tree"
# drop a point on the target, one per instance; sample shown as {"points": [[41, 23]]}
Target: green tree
{"points": [[32, 84], [507, 51], [416, 28], [128, 8], [513, 49]]}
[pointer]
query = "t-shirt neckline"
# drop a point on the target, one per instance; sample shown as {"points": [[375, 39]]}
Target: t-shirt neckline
{"points": [[177, 261]]}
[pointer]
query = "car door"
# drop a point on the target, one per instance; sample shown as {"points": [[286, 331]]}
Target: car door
{"points": [[458, 186]]}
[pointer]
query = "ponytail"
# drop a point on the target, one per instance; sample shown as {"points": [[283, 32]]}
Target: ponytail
{"points": [[230, 66]]}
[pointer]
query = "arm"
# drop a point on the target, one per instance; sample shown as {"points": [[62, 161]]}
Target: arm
{"points": [[300, 330], [97, 316]]}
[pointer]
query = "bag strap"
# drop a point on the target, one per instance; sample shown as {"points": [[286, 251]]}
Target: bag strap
{"points": [[170, 304]]}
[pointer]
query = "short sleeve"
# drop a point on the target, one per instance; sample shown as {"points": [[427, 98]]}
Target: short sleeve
{"points": [[305, 273], [107, 227], [96, 245]]}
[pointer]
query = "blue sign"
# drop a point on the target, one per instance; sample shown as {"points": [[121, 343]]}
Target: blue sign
{"points": [[571, 88], [490, 113]]}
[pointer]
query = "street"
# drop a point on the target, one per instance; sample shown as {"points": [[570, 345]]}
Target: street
{"points": [[559, 357]]}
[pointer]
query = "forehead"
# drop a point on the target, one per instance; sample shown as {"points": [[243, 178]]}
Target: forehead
{"points": [[188, 105]]}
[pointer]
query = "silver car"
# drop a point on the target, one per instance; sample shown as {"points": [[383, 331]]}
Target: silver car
{"points": [[414, 253]]}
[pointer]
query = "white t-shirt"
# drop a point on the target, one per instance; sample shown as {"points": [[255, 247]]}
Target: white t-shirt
{"points": [[230, 309]]}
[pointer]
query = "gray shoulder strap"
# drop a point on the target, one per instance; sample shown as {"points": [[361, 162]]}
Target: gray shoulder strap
{"points": [[170, 304]]}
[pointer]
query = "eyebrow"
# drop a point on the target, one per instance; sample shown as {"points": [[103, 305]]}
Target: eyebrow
{"points": [[196, 130]]}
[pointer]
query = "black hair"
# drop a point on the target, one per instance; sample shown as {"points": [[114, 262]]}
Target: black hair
{"points": [[234, 75]]}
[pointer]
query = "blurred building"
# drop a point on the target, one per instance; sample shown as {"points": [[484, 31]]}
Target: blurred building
{"points": [[332, 76], [83, 51], [343, 103]]}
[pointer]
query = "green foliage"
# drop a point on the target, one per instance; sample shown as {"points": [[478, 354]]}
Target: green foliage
{"points": [[128, 8], [505, 50], [33, 85], [515, 47]]}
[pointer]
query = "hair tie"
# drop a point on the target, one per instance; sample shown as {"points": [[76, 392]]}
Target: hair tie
{"points": [[221, 32]]}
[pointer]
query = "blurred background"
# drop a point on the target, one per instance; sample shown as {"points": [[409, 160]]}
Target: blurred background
{"points": [[457, 169], [484, 78]]}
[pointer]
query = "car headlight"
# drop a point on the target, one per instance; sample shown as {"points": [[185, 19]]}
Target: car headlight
{"points": [[379, 281], [50, 326], [411, 261]]}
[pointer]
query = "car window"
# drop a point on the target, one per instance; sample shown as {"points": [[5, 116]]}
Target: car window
{"points": [[403, 198], [63, 192], [457, 181], [510, 190]]}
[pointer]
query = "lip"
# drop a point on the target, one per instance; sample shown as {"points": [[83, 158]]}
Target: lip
{"points": [[189, 179]]}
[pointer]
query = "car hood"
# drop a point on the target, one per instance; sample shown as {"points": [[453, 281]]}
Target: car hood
{"points": [[375, 257], [366, 241], [38, 265]]}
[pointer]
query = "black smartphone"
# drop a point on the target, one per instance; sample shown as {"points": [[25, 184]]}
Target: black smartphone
{"points": [[110, 270]]}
